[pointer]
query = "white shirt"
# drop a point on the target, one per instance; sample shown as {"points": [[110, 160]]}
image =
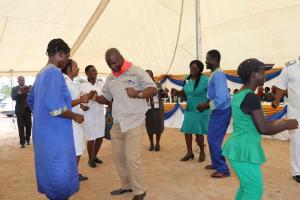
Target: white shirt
{"points": [[289, 80], [94, 125], [77, 128]]}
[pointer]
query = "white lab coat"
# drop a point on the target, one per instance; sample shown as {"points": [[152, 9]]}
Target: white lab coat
{"points": [[77, 128], [94, 118], [289, 80]]}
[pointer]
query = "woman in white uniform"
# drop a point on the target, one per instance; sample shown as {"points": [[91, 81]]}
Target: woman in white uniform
{"points": [[70, 71], [94, 115]]}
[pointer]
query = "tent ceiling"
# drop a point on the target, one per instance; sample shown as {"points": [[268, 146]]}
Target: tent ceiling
{"points": [[27, 26], [146, 31]]}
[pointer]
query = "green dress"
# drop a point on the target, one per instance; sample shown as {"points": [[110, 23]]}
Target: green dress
{"points": [[244, 144], [195, 122]]}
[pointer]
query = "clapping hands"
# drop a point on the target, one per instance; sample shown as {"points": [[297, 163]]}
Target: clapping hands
{"points": [[84, 98], [92, 95]]}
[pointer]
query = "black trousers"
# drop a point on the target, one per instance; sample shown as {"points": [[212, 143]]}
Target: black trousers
{"points": [[24, 126]]}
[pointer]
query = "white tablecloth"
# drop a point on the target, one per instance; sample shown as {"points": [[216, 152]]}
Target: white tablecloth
{"points": [[176, 120]]}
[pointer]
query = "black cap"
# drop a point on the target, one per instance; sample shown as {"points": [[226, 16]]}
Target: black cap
{"points": [[255, 63], [247, 67]]}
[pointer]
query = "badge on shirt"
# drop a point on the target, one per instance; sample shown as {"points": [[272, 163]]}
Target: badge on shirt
{"points": [[130, 82], [291, 62]]}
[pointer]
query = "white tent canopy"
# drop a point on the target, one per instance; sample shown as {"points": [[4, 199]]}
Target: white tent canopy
{"points": [[146, 32]]}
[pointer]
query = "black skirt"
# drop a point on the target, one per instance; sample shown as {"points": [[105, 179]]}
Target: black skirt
{"points": [[154, 121]]}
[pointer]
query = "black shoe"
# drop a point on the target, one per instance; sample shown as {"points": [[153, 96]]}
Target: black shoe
{"points": [[297, 178], [157, 147], [82, 178], [22, 146], [92, 164], [187, 157], [140, 196], [151, 148], [98, 161], [28, 142], [201, 157], [120, 191]]}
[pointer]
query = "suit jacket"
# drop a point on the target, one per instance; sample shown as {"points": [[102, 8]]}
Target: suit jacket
{"points": [[21, 103]]}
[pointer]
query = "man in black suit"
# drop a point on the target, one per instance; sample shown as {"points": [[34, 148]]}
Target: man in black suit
{"points": [[19, 94]]}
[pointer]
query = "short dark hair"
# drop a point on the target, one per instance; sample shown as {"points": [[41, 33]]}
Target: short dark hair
{"points": [[87, 68], [247, 67], [215, 54], [67, 67], [57, 45]]}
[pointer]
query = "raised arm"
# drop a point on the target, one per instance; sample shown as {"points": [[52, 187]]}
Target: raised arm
{"points": [[266, 127], [102, 100], [83, 99], [15, 93], [282, 86], [278, 96]]}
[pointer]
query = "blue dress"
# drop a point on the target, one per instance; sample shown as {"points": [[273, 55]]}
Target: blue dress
{"points": [[195, 122], [54, 151]]}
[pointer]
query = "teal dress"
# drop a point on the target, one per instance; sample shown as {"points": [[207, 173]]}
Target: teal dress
{"points": [[244, 144], [244, 151], [195, 122]]}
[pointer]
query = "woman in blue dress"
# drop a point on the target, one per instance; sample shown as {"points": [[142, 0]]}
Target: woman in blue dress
{"points": [[197, 113], [54, 151]]}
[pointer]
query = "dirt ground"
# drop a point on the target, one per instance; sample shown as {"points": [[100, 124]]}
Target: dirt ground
{"points": [[166, 177]]}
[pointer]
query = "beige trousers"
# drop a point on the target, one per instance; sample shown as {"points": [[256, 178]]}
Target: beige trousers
{"points": [[126, 151]]}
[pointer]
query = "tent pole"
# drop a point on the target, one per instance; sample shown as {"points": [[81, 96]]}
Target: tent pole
{"points": [[198, 30], [11, 75], [88, 27]]}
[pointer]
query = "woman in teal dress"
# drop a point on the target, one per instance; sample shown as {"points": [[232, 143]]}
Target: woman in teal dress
{"points": [[243, 149], [197, 113]]}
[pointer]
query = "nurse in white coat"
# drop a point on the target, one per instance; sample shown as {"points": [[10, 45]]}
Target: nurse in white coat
{"points": [[94, 115], [288, 81], [71, 71]]}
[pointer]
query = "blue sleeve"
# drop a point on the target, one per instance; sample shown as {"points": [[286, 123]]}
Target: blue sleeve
{"points": [[30, 98], [221, 90], [54, 93]]}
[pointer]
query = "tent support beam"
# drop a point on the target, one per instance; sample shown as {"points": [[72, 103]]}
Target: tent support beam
{"points": [[198, 31], [88, 27]]}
